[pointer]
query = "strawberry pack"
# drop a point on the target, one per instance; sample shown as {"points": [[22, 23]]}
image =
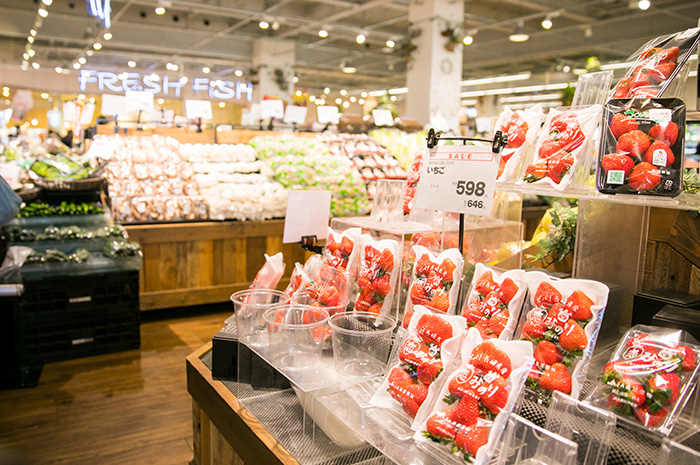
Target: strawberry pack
{"points": [[649, 378], [521, 128], [657, 66], [642, 147], [341, 253], [495, 301], [430, 345], [562, 323], [377, 278], [470, 411], [435, 282], [270, 273], [412, 182], [303, 274], [562, 146]]}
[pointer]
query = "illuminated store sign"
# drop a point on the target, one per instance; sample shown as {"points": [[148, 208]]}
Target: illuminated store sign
{"points": [[153, 83], [100, 9]]}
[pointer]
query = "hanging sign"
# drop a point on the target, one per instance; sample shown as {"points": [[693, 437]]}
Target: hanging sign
{"points": [[198, 109], [307, 215], [113, 104], [327, 114], [459, 179], [139, 101], [382, 118], [272, 109], [294, 114]]}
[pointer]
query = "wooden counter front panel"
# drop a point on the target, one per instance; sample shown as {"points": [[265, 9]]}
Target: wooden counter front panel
{"points": [[201, 263]]}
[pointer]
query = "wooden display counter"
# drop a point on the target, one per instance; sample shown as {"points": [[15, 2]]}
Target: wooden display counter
{"points": [[201, 263]]}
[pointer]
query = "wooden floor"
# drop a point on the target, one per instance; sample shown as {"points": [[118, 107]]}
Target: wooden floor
{"points": [[123, 408]]}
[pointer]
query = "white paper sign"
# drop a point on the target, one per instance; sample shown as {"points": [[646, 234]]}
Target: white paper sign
{"points": [[198, 109], [113, 104], [138, 100], [86, 114], [70, 111], [307, 215], [10, 173], [382, 118], [459, 179], [294, 114], [327, 114], [270, 109], [5, 116]]}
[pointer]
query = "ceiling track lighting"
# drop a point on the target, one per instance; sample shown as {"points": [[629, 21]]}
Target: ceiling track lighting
{"points": [[519, 35], [361, 38]]}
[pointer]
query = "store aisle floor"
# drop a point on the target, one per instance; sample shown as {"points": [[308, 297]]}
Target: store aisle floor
{"points": [[122, 408]]}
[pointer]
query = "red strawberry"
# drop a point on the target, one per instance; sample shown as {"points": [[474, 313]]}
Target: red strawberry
{"points": [[440, 425], [501, 167], [661, 72], [629, 391], [623, 88], [535, 171], [547, 295], [407, 318], [409, 405], [473, 313], [417, 392], [465, 383], [414, 352], [375, 308], [546, 353], [346, 246], [688, 354], [498, 323], [663, 387], [485, 284], [484, 328], [648, 419], [556, 378], [467, 411], [650, 52], [534, 328], [645, 92], [446, 270], [492, 305], [424, 265], [617, 162], [573, 337], [572, 138], [382, 285], [611, 372], [621, 123], [665, 132], [669, 55], [331, 245], [400, 377], [494, 394], [559, 165], [362, 305], [440, 301], [330, 297], [487, 357], [579, 304], [371, 254], [516, 130], [639, 81], [549, 147], [634, 143], [472, 439], [643, 340], [418, 294], [433, 329], [661, 152], [564, 121], [644, 177], [557, 317], [507, 290], [386, 260]]}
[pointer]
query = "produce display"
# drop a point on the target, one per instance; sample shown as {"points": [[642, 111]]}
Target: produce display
{"points": [[495, 301], [41, 209], [54, 233], [305, 163], [234, 183], [521, 128], [57, 256], [642, 147], [467, 420], [649, 377], [60, 167], [118, 249], [562, 324], [402, 145], [377, 277]]}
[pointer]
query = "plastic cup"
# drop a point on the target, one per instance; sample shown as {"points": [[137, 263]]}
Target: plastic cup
{"points": [[361, 343], [304, 298], [295, 333], [249, 306]]}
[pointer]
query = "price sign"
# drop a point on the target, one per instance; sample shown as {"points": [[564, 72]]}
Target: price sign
{"points": [[307, 215], [11, 174], [458, 178], [70, 111], [327, 114], [86, 114], [271, 109], [295, 114], [382, 118], [113, 104], [198, 109], [138, 100]]}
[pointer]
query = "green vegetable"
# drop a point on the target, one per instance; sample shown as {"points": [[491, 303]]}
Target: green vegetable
{"points": [[63, 209]]}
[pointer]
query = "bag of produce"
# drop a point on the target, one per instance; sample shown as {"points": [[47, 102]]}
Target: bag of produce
{"points": [[377, 278], [521, 128]]}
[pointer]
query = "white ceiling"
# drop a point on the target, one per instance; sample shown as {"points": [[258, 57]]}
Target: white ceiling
{"points": [[219, 34]]}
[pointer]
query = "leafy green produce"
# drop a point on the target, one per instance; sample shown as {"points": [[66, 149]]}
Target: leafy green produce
{"points": [[57, 256], [62, 209], [117, 249]]}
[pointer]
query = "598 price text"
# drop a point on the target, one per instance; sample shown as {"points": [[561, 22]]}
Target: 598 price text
{"points": [[470, 188]]}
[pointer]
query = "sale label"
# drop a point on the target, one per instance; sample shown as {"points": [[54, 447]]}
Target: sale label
{"points": [[459, 179]]}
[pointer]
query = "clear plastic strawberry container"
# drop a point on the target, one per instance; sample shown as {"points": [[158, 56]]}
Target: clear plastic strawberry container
{"points": [[649, 378]]}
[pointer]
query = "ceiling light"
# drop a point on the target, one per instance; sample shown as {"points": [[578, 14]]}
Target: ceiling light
{"points": [[47, 2], [238, 73], [566, 68], [495, 79], [275, 25], [25, 55], [519, 35], [353, 99], [31, 52], [295, 79], [468, 40], [515, 90], [338, 101], [90, 53], [36, 65], [363, 94], [58, 69], [531, 98], [176, 67], [97, 46], [154, 77], [393, 98], [588, 32], [361, 101], [206, 70], [399, 90], [327, 90], [377, 93], [360, 39], [343, 92], [32, 32], [183, 80], [82, 60], [123, 76], [390, 43], [348, 69], [346, 104], [107, 36], [547, 22], [160, 101], [222, 104], [469, 102], [312, 98], [643, 4], [131, 64], [35, 122], [160, 10], [263, 24], [81, 97], [76, 65], [323, 33], [298, 93], [44, 95], [43, 13], [30, 39]]}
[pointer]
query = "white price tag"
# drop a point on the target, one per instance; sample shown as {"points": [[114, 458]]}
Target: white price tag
{"points": [[307, 215], [70, 112], [10, 173], [86, 113], [660, 115], [659, 157], [113, 104], [270, 109], [326, 114], [295, 114], [138, 100], [459, 179], [198, 109], [382, 118]]}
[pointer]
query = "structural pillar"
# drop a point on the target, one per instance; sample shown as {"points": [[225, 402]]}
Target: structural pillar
{"points": [[434, 77], [274, 62]]}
